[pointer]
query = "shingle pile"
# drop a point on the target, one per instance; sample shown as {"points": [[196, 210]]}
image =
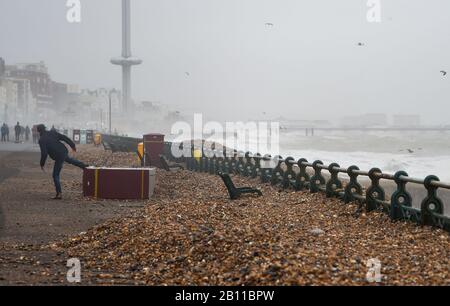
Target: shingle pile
{"points": [[190, 233]]}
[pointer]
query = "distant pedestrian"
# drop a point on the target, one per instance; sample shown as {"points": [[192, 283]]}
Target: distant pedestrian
{"points": [[51, 145], [35, 134], [17, 130], [27, 133], [3, 131], [7, 132], [22, 133]]}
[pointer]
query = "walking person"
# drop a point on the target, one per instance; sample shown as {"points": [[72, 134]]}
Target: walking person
{"points": [[7, 132], [3, 131], [27, 133], [35, 134], [51, 145], [22, 134], [17, 130]]}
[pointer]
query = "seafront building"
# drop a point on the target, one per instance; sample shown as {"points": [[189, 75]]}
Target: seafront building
{"points": [[28, 94]]}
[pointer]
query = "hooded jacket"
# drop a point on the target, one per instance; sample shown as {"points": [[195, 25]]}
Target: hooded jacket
{"points": [[51, 145]]}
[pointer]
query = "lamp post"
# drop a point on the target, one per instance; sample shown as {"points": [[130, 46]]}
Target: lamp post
{"points": [[112, 91], [109, 96]]}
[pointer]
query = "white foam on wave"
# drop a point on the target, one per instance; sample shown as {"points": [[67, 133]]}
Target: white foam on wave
{"points": [[415, 166]]}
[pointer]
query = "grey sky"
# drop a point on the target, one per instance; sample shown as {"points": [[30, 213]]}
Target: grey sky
{"points": [[307, 66]]}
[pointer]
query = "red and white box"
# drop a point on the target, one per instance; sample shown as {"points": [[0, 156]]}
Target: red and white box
{"points": [[119, 183]]}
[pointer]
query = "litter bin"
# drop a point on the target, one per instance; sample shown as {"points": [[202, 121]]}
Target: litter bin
{"points": [[140, 150], [83, 137], [153, 147], [76, 136], [98, 139], [198, 155], [89, 136]]}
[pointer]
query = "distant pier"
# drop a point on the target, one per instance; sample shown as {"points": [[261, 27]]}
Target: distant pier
{"points": [[309, 131]]}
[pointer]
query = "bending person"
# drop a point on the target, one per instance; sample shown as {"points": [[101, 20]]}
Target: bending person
{"points": [[51, 145]]}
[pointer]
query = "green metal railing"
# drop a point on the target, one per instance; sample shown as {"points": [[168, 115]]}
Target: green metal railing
{"points": [[302, 175]]}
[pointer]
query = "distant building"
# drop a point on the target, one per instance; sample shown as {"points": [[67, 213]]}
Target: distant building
{"points": [[3, 105], [8, 99], [2, 67], [406, 120], [65, 95], [148, 106], [2, 95], [299, 124], [25, 104], [374, 119], [99, 100], [366, 120], [40, 82]]}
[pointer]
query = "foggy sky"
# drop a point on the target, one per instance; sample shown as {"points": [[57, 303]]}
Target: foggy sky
{"points": [[307, 66]]}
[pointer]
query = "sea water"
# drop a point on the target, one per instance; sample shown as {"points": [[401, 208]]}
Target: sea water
{"points": [[418, 153]]}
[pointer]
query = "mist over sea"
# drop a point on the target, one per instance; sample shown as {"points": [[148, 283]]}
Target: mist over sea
{"points": [[418, 153]]}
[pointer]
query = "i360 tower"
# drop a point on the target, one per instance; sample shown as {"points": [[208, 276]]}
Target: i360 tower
{"points": [[126, 60]]}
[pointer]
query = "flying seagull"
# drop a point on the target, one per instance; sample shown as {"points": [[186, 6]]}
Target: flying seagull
{"points": [[444, 73], [361, 44], [269, 24]]}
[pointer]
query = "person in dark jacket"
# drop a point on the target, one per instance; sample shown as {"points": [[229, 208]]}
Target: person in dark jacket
{"points": [[7, 132], [17, 129], [51, 145], [4, 132], [27, 133]]}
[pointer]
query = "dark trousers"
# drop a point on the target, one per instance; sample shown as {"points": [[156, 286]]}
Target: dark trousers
{"points": [[58, 167], [3, 137]]}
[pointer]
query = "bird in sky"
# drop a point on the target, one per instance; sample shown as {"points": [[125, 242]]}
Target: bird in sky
{"points": [[269, 24], [187, 73], [361, 44], [444, 73]]}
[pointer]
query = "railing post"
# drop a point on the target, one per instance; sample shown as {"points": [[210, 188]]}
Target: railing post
{"points": [[302, 178], [375, 191], [277, 173], [240, 166], [257, 166], [233, 166], [289, 174], [431, 204], [212, 163], [266, 171], [334, 183], [353, 186], [248, 164], [400, 197], [226, 165], [317, 178]]}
